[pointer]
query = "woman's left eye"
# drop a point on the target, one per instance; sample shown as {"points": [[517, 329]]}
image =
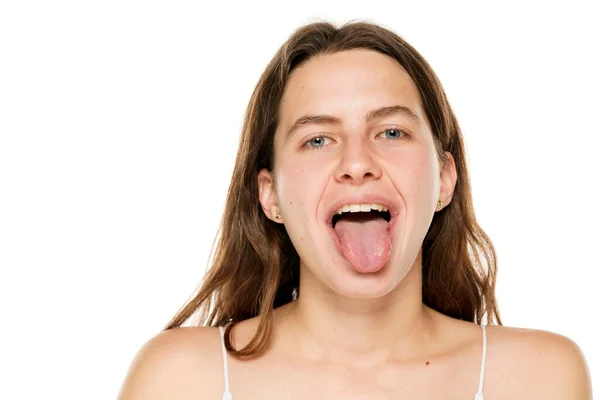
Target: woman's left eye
{"points": [[395, 133]]}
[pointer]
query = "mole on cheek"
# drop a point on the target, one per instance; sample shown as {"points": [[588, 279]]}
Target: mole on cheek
{"points": [[426, 362]]}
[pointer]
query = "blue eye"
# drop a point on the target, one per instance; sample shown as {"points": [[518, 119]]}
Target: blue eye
{"points": [[397, 133], [316, 142]]}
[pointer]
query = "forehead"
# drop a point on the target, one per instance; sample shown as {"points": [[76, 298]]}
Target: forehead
{"points": [[348, 83]]}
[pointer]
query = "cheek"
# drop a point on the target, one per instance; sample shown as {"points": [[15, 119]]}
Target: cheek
{"points": [[417, 176], [425, 177], [289, 195], [300, 187], [302, 177], [297, 195]]}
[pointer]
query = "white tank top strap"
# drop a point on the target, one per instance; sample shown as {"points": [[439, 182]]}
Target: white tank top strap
{"points": [[479, 394], [226, 394]]}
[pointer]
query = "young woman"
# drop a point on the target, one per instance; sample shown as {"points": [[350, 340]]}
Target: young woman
{"points": [[350, 264]]}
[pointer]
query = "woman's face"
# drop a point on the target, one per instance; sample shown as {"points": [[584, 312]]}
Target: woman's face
{"points": [[352, 133]]}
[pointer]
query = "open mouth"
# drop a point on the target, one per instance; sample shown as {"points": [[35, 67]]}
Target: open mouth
{"points": [[361, 216], [363, 234]]}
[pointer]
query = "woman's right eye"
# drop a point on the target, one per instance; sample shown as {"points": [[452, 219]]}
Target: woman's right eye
{"points": [[316, 142]]}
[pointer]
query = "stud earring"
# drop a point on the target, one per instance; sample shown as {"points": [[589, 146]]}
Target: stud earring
{"points": [[440, 204], [295, 294], [278, 216]]}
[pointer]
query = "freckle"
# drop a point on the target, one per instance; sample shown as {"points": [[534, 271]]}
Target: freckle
{"points": [[301, 237], [290, 202], [426, 362]]}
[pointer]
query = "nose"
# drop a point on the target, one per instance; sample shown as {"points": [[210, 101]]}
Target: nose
{"points": [[357, 163]]}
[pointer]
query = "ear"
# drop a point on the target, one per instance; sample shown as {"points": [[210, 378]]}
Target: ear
{"points": [[448, 176], [268, 196]]}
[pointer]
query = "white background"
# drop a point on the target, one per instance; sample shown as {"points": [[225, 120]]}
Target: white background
{"points": [[119, 123]]}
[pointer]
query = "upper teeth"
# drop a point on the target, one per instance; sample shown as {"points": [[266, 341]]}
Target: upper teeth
{"points": [[360, 208]]}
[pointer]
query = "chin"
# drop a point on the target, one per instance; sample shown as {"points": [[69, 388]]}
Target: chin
{"points": [[355, 285]]}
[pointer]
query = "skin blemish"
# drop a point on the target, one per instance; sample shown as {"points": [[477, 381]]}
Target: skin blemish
{"points": [[426, 362]]}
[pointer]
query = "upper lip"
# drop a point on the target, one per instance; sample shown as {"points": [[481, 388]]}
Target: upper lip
{"points": [[365, 198]]}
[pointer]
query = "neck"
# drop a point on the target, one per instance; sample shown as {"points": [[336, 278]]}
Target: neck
{"points": [[361, 332]]}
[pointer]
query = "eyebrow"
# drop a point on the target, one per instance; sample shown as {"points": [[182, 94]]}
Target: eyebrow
{"points": [[371, 115]]}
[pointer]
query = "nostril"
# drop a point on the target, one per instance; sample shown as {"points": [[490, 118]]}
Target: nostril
{"points": [[367, 175]]}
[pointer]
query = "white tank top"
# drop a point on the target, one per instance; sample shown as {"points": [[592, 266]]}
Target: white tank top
{"points": [[228, 396]]}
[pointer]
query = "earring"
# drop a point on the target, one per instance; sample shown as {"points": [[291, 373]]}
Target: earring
{"points": [[295, 294], [278, 216], [440, 204]]}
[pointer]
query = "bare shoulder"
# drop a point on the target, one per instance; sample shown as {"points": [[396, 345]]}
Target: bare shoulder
{"points": [[536, 364], [182, 363]]}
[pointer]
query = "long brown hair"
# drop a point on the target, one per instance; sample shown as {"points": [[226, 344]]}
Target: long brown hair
{"points": [[255, 266]]}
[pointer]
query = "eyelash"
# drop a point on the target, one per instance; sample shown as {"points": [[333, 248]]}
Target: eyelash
{"points": [[402, 131]]}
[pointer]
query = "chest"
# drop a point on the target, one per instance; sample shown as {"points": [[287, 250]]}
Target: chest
{"points": [[294, 382]]}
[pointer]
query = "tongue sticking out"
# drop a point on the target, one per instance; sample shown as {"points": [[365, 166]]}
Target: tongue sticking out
{"points": [[365, 240]]}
